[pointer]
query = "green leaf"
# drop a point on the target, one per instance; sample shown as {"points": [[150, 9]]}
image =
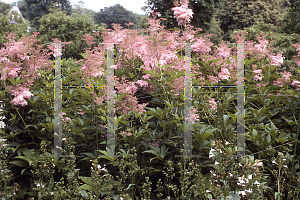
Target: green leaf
{"points": [[86, 187], [90, 155], [23, 170], [119, 97], [268, 138], [87, 180], [19, 163], [129, 186]]}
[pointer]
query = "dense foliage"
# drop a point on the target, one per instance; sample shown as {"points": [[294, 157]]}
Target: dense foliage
{"points": [[148, 142]]}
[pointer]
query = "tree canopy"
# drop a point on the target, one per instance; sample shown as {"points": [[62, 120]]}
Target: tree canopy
{"points": [[34, 10], [203, 12], [291, 21], [235, 14], [68, 28], [115, 14]]}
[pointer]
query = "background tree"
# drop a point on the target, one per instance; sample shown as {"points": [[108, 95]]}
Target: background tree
{"points": [[34, 10], [68, 28], [115, 14], [291, 21], [203, 12], [80, 9], [235, 14], [5, 8], [19, 29]]}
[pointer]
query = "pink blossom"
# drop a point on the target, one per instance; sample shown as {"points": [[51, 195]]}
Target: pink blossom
{"points": [[67, 119], [182, 14], [201, 46], [192, 116], [177, 85], [296, 83], [147, 76], [19, 100], [213, 79], [277, 60], [257, 77], [213, 104], [257, 71], [224, 74], [142, 83]]}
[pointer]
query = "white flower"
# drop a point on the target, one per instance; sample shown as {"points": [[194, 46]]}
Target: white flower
{"points": [[274, 162], [250, 176], [249, 190], [99, 167], [242, 192], [216, 163], [39, 185], [226, 143], [241, 181], [258, 164], [211, 153], [256, 183], [285, 166], [207, 191], [230, 174]]}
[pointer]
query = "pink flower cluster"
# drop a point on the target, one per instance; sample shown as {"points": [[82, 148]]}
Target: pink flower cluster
{"points": [[296, 83], [125, 133], [256, 76], [283, 80], [22, 59], [193, 116], [213, 104], [129, 102], [297, 58], [182, 13], [224, 74], [277, 60]]}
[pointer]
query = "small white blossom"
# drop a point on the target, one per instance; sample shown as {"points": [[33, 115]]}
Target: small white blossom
{"points": [[256, 183], [230, 174], [250, 176], [213, 173], [285, 166], [274, 162], [249, 190], [258, 164], [216, 163], [242, 192], [207, 191], [211, 153], [226, 143], [241, 181]]}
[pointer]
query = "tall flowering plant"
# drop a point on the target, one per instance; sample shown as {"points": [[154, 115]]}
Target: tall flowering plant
{"points": [[161, 67], [20, 64]]}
